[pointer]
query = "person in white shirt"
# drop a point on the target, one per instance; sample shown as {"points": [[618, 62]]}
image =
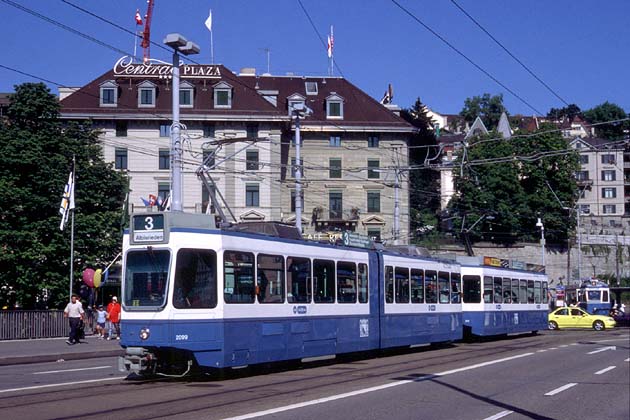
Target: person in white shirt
{"points": [[74, 312]]}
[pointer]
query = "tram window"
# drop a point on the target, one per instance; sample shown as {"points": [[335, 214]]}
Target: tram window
{"points": [[604, 296], [298, 280], [270, 278], [443, 284], [195, 279], [498, 292], [402, 285], [238, 269], [507, 290], [146, 273], [363, 283], [455, 288], [514, 290], [417, 286], [545, 292], [522, 295], [431, 283], [537, 292], [530, 291], [389, 284], [346, 282], [593, 295], [487, 289], [472, 289], [324, 281]]}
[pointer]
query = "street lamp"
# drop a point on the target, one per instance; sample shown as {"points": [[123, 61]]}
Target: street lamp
{"points": [[179, 44], [539, 224], [298, 110]]}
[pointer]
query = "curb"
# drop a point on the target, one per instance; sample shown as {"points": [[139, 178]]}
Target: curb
{"points": [[55, 357]]}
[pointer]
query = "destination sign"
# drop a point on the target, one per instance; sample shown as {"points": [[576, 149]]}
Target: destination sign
{"points": [[148, 228], [125, 67]]}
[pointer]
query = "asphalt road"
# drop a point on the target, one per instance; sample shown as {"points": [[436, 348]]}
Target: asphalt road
{"points": [[555, 375]]}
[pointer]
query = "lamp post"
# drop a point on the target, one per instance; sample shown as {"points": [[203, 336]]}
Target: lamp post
{"points": [[539, 224], [298, 111], [179, 44]]}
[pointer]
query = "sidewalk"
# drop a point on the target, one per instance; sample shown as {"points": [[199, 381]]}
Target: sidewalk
{"points": [[14, 352]]}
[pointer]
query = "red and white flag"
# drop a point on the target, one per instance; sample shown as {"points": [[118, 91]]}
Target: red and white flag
{"points": [[331, 43], [138, 17]]}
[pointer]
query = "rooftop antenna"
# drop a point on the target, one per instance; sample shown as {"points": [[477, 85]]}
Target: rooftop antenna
{"points": [[268, 52]]}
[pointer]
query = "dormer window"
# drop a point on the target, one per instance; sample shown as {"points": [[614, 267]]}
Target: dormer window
{"points": [[295, 101], [222, 95], [146, 95], [311, 88], [334, 107], [108, 94], [186, 91]]}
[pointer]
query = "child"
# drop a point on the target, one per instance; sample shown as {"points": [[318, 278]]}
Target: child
{"points": [[100, 321]]}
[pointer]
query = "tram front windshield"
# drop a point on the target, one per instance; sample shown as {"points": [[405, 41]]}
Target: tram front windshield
{"points": [[146, 274]]}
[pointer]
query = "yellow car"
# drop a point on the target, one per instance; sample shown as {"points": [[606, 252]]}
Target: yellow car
{"points": [[578, 318]]}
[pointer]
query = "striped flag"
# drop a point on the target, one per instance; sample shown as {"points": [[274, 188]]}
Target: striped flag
{"points": [[67, 201], [138, 17], [331, 43]]}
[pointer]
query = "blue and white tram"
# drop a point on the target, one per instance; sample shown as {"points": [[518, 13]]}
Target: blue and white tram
{"points": [[498, 301], [593, 296], [195, 294]]}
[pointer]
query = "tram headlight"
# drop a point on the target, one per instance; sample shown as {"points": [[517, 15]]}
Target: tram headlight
{"points": [[144, 334]]}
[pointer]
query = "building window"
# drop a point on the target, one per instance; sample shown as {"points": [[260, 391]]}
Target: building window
{"points": [[374, 201], [584, 159], [208, 158], [335, 141], [164, 190], [186, 98], [374, 234], [146, 95], [609, 192], [334, 107], [209, 131], [252, 195], [121, 128], [373, 141], [293, 201], [252, 131], [335, 205], [608, 159], [223, 95], [585, 208], [610, 209], [311, 88], [581, 176], [165, 130], [120, 159], [293, 104], [373, 165], [251, 160], [108, 94], [294, 168], [609, 176], [334, 168], [164, 160]]}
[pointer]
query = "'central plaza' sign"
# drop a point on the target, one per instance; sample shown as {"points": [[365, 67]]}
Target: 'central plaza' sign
{"points": [[125, 67]]}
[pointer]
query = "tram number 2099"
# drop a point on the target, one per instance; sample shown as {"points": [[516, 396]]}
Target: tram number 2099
{"points": [[181, 337]]}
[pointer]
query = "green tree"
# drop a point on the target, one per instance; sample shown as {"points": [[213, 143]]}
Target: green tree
{"points": [[568, 112], [424, 199], [607, 112], [37, 150], [487, 107]]}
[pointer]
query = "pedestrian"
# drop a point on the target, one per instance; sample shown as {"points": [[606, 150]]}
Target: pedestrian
{"points": [[101, 317], [113, 314], [74, 312]]}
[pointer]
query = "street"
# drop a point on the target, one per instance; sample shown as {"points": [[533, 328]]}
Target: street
{"points": [[557, 374]]}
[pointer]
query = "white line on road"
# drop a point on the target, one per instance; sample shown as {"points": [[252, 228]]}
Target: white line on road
{"points": [[562, 388], [553, 348], [627, 360], [602, 349], [599, 372], [499, 415], [371, 389], [564, 345], [574, 344], [71, 370], [2, 391], [541, 351]]}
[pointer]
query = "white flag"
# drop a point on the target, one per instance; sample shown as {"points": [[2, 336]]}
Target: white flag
{"points": [[209, 21], [67, 201], [331, 42]]}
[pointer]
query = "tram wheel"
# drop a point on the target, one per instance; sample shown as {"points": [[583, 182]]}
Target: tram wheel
{"points": [[553, 325], [599, 326]]}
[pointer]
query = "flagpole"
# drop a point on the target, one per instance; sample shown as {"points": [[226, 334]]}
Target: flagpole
{"points": [[71, 209], [135, 43], [211, 49]]}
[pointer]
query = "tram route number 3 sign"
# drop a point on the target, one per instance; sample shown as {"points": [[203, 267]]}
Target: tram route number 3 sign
{"points": [[148, 228]]}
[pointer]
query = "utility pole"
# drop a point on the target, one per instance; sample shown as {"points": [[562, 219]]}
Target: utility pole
{"points": [[299, 110], [397, 173]]}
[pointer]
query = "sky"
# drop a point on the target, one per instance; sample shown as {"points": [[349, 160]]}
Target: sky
{"points": [[580, 49]]}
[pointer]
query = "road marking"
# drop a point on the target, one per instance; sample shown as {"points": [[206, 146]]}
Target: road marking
{"points": [[612, 339], [499, 415], [371, 389], [3, 391], [562, 388], [627, 360], [599, 372], [541, 351], [574, 344], [71, 370], [602, 349], [564, 345], [553, 348]]}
